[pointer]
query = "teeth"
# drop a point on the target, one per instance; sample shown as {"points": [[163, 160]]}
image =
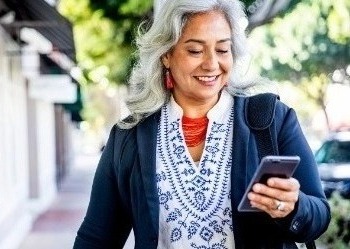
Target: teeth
{"points": [[206, 78]]}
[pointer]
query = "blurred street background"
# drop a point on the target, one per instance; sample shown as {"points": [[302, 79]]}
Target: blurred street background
{"points": [[64, 67], [56, 227]]}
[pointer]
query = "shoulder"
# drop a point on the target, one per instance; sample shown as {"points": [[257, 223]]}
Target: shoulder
{"points": [[120, 141], [121, 133], [284, 111], [127, 135], [261, 109], [269, 101]]}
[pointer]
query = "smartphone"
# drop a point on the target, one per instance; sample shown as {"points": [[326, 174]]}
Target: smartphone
{"points": [[270, 166]]}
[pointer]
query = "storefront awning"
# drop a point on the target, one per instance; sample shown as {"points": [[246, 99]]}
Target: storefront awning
{"points": [[49, 67], [43, 17]]}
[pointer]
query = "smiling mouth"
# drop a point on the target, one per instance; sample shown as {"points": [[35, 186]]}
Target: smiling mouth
{"points": [[207, 78]]}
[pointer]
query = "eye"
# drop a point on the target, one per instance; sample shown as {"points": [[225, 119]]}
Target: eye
{"points": [[222, 51], [195, 52]]}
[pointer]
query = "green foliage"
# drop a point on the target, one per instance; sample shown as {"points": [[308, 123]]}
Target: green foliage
{"points": [[311, 39], [104, 31], [307, 41], [122, 9], [102, 52], [306, 46], [338, 22], [337, 235], [125, 14], [104, 57]]}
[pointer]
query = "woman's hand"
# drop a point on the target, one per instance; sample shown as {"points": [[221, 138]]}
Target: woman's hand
{"points": [[277, 198]]}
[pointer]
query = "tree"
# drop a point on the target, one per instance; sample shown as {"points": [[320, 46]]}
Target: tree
{"points": [[126, 15], [102, 51], [104, 59], [261, 12], [307, 51], [105, 30], [133, 11]]}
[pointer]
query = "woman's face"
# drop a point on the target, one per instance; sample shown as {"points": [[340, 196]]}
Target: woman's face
{"points": [[201, 61]]}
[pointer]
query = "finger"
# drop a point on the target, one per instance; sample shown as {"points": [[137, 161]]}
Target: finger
{"points": [[275, 193], [289, 184], [275, 208], [280, 206], [273, 212], [265, 202]]}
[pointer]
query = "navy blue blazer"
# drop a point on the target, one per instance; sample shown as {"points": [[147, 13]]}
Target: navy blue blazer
{"points": [[124, 194]]}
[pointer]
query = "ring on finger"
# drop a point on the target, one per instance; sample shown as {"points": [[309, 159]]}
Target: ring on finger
{"points": [[280, 206]]}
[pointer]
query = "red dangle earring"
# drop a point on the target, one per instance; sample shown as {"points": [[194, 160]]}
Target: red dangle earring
{"points": [[169, 81]]}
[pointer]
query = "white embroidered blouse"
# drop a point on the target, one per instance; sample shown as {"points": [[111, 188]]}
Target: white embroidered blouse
{"points": [[195, 206]]}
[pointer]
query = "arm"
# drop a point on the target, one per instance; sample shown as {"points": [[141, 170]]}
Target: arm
{"points": [[311, 215], [107, 224]]}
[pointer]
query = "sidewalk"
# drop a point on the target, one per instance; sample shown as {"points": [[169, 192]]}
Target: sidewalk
{"points": [[56, 228]]}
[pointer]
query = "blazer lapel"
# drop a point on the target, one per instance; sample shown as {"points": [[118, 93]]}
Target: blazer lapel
{"points": [[147, 142], [240, 152]]}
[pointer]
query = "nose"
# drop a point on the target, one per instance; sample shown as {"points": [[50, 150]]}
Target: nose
{"points": [[210, 61]]}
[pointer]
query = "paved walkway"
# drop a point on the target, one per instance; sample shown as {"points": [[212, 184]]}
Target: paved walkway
{"points": [[56, 228]]}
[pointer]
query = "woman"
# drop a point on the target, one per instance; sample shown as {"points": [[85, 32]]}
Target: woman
{"points": [[176, 169]]}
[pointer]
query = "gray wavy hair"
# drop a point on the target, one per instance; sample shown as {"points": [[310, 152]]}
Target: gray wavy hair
{"points": [[147, 91]]}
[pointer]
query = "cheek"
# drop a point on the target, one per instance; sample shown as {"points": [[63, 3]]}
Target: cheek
{"points": [[180, 75], [228, 66], [185, 68], [228, 63]]}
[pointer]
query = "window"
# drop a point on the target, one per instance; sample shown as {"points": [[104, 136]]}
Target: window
{"points": [[334, 152]]}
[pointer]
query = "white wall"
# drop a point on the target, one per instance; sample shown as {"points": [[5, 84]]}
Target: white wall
{"points": [[15, 220], [42, 164], [27, 149]]}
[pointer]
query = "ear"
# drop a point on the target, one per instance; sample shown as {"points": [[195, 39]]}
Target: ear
{"points": [[166, 60]]}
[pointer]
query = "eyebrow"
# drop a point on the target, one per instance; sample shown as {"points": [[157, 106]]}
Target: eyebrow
{"points": [[203, 42]]}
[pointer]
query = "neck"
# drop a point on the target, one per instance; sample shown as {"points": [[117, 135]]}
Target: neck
{"points": [[196, 109]]}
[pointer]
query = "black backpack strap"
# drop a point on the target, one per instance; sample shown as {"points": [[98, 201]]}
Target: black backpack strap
{"points": [[259, 114]]}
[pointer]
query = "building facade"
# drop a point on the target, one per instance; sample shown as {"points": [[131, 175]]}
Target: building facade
{"points": [[36, 55]]}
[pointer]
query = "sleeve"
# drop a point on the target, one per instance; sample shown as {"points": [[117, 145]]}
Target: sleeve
{"points": [[107, 224], [312, 214]]}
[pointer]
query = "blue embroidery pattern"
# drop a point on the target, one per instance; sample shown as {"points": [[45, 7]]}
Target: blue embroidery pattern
{"points": [[195, 200]]}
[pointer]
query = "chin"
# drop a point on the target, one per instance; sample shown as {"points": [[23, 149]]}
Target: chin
{"points": [[208, 97]]}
